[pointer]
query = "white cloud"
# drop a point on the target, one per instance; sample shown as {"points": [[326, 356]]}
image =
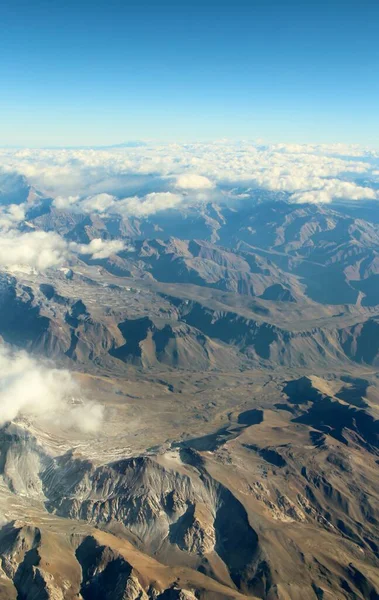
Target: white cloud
{"points": [[42, 393], [335, 189], [98, 248], [42, 250], [65, 202], [11, 215], [348, 150], [189, 181], [98, 203], [148, 205], [133, 181], [37, 249], [134, 206]]}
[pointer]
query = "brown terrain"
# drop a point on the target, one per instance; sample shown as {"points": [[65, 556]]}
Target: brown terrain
{"points": [[236, 356]]}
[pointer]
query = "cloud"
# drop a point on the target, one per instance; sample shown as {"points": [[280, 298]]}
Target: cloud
{"points": [[335, 189], [98, 203], [65, 202], [135, 206], [11, 215], [137, 181], [149, 205], [340, 150], [42, 250], [193, 182], [39, 392], [37, 249], [98, 248]]}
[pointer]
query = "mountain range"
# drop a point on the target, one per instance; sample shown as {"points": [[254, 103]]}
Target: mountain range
{"points": [[234, 350]]}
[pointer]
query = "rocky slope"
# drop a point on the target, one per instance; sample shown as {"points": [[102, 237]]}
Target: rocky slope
{"points": [[61, 318], [246, 250], [256, 513], [234, 352]]}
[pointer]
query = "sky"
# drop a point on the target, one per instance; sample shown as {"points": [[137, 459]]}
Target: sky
{"points": [[97, 73]]}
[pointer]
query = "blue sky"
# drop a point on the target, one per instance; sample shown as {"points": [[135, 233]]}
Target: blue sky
{"points": [[104, 72]]}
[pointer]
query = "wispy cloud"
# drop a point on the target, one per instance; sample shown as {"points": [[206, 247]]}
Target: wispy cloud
{"points": [[42, 393]]}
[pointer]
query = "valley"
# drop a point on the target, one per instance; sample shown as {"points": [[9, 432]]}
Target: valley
{"points": [[236, 368]]}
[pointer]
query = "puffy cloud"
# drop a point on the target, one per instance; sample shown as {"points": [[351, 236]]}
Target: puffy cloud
{"points": [[98, 203], [42, 393], [37, 249], [188, 181], [348, 150], [133, 181], [42, 250], [99, 248], [11, 215], [335, 189], [65, 202], [150, 204], [128, 207]]}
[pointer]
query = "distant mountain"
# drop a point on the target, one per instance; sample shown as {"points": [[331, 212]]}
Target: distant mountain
{"points": [[311, 251], [128, 144]]}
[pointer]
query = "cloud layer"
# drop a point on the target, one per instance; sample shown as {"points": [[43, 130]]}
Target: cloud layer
{"points": [[42, 393], [141, 181], [135, 206], [138, 182]]}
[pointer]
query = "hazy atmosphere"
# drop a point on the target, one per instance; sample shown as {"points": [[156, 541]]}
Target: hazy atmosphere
{"points": [[189, 300]]}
